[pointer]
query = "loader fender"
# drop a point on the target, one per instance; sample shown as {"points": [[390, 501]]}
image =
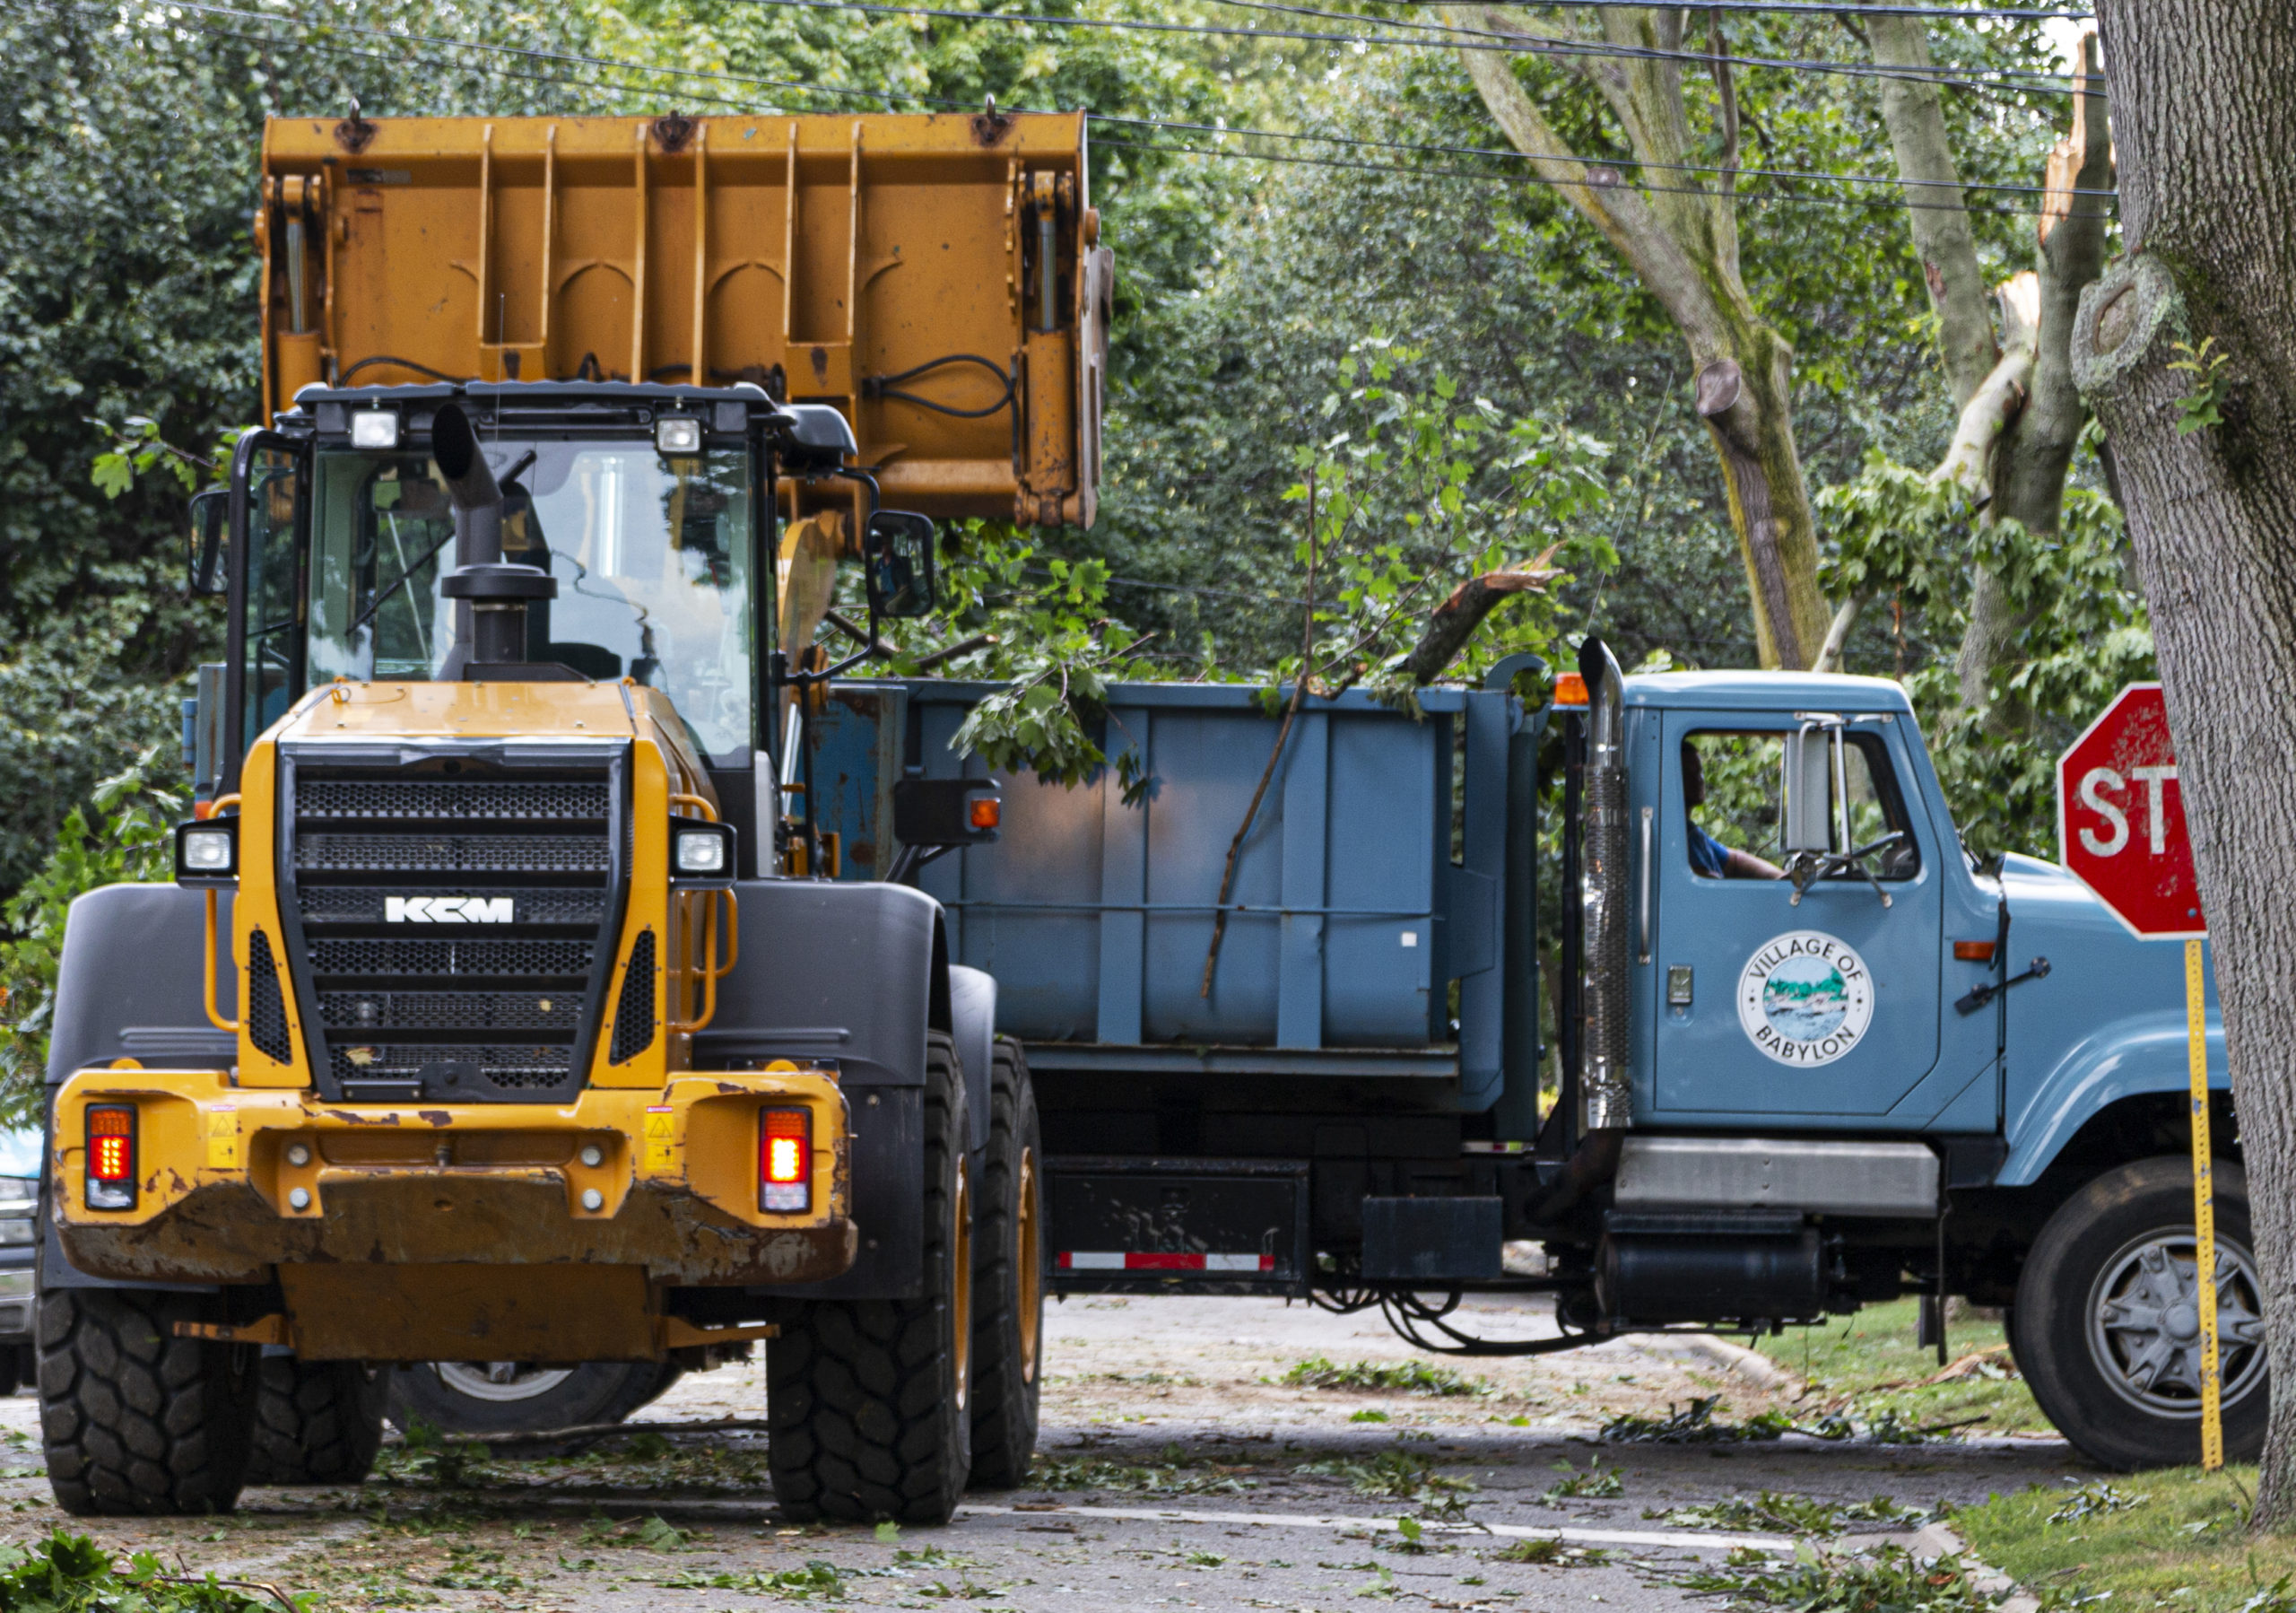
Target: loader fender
{"points": [[972, 1023], [857, 973], [127, 987]]}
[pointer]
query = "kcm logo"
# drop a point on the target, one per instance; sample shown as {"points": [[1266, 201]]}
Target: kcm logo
{"points": [[447, 910]]}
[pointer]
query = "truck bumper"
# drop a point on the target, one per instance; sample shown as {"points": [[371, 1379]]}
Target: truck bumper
{"points": [[242, 1185]]}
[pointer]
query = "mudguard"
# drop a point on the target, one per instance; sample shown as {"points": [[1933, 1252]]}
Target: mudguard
{"points": [[127, 987], [857, 972], [2143, 1053], [972, 1025]]}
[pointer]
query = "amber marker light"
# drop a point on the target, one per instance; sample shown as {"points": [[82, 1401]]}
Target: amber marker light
{"points": [[983, 812], [784, 1161], [1973, 952], [112, 1156], [1569, 690]]}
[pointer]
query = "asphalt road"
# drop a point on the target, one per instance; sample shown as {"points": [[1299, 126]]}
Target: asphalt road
{"points": [[1180, 1474]]}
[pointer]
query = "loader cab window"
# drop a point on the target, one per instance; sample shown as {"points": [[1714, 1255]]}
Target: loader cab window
{"points": [[652, 557], [1732, 785], [273, 647]]}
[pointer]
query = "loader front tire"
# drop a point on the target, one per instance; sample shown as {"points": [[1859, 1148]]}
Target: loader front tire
{"points": [[135, 1420], [316, 1422], [867, 1399], [1008, 1279]]}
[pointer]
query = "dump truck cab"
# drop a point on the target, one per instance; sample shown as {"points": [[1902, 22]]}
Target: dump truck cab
{"points": [[496, 1010]]}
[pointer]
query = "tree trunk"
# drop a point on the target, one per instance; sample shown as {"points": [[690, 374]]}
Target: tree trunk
{"points": [[2036, 447], [1941, 234], [1682, 241], [2203, 94]]}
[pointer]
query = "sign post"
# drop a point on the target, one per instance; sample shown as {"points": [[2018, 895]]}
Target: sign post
{"points": [[2120, 831]]}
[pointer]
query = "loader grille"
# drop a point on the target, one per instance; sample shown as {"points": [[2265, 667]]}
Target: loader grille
{"points": [[453, 917]]}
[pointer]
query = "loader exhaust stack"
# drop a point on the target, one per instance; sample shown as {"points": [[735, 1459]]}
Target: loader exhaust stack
{"points": [[491, 595]]}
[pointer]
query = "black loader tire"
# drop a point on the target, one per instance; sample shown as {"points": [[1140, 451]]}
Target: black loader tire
{"points": [[2082, 1302], [1008, 1279], [867, 1397], [592, 1393], [316, 1422], [135, 1420]]}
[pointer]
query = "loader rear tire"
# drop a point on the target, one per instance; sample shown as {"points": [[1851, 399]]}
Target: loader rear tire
{"points": [[867, 1399], [136, 1421], [316, 1422], [1008, 1279]]}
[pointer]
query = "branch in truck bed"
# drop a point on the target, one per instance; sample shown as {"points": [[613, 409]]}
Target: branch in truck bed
{"points": [[1453, 623]]}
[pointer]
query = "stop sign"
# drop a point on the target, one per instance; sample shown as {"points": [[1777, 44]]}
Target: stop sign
{"points": [[2120, 817]]}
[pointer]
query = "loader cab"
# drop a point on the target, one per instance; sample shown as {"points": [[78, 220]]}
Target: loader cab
{"points": [[651, 508]]}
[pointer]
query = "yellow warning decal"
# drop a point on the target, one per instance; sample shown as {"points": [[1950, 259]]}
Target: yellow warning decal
{"points": [[660, 1128], [223, 1137]]}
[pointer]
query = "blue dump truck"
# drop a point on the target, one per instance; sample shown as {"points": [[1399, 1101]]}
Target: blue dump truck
{"points": [[1793, 1049]]}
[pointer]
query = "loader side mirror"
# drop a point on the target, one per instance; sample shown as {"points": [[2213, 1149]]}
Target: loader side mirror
{"points": [[210, 572], [897, 557], [1813, 761]]}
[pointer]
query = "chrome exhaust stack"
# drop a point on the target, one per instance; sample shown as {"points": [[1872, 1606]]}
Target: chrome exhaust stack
{"points": [[1604, 1087]]}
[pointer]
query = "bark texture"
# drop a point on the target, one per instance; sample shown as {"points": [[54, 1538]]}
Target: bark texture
{"points": [[1682, 241], [2203, 94], [1941, 235], [2036, 447]]}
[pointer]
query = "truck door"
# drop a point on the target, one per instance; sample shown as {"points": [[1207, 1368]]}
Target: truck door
{"points": [[1824, 1008]]}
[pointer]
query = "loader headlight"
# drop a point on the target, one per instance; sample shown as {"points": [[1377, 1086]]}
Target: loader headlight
{"points": [[374, 428], [678, 436], [701, 855], [208, 852]]}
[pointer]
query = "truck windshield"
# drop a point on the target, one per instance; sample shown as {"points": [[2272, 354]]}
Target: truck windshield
{"points": [[652, 557]]}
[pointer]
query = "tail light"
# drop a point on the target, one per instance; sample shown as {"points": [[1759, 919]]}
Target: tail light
{"points": [[784, 1160], [112, 1156]]}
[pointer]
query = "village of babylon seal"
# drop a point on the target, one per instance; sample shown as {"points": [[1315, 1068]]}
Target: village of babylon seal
{"points": [[1805, 997]]}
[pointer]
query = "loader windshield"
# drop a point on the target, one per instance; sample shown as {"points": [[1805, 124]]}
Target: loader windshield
{"points": [[652, 557]]}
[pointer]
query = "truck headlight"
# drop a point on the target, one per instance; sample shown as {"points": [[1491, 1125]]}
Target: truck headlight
{"points": [[374, 428]]}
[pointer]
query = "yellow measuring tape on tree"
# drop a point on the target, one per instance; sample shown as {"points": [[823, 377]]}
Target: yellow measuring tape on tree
{"points": [[2204, 1210]]}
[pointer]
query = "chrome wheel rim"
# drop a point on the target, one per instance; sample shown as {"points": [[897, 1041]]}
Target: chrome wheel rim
{"points": [[500, 1380], [2144, 1324]]}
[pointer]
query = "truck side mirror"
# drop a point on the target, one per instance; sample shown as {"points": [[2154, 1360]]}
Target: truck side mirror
{"points": [[1812, 761], [897, 558], [209, 571]]}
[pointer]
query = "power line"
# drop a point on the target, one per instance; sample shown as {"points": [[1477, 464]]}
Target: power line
{"points": [[1528, 45], [1501, 153], [1808, 8], [1521, 179]]}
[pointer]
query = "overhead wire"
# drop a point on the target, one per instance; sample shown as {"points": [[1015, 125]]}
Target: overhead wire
{"points": [[1598, 165], [1511, 45]]}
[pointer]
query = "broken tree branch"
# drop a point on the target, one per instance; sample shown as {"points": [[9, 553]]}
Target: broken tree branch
{"points": [[1453, 623], [1267, 773]]}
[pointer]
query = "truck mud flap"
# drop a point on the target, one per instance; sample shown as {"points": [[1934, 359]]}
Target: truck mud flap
{"points": [[1432, 1239], [1119, 1225]]}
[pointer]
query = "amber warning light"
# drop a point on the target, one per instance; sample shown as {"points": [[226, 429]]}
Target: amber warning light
{"points": [[784, 1164], [1569, 690], [111, 1158], [983, 812]]}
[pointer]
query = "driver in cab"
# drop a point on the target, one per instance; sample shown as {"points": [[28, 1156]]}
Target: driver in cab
{"points": [[1709, 856]]}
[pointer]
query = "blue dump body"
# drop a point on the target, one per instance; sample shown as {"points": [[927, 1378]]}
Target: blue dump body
{"points": [[1374, 875]]}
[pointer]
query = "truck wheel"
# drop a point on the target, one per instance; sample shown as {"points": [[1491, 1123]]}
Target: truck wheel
{"points": [[2107, 1326], [134, 1420], [1008, 1279], [316, 1422], [514, 1396], [867, 1397]]}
